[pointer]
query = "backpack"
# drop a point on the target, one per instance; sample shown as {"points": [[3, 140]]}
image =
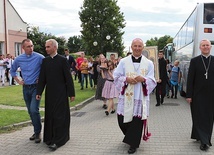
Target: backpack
{"points": [[171, 66]]}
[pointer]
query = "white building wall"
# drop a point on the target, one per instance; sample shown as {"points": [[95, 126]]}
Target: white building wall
{"points": [[1, 20], [14, 21], [16, 29]]}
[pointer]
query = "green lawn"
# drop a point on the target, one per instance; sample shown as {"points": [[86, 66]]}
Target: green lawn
{"points": [[12, 95], [11, 116]]}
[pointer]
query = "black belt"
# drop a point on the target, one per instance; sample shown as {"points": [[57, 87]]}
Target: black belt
{"points": [[30, 85], [110, 80]]}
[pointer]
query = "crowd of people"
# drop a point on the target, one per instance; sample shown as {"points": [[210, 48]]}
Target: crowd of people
{"points": [[169, 79], [5, 65], [130, 79]]}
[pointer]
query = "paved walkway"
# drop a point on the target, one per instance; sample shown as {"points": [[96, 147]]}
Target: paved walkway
{"points": [[93, 133]]}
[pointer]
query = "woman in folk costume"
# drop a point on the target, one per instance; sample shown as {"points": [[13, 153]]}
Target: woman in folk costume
{"points": [[134, 78]]}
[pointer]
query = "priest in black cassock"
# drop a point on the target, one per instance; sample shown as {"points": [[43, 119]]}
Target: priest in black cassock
{"points": [[55, 76], [161, 83], [200, 88]]}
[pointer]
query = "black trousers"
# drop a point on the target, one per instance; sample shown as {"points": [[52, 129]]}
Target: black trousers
{"points": [[160, 92], [132, 130]]}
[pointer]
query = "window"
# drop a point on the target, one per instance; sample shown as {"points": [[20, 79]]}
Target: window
{"points": [[208, 13], [1, 48], [17, 49]]}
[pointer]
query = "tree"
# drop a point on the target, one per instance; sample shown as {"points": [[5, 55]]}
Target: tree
{"points": [[102, 24], [161, 42], [38, 38], [75, 44], [152, 42]]}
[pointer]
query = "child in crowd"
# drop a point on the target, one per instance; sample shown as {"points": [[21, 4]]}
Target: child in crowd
{"points": [[84, 73], [109, 91], [175, 76]]}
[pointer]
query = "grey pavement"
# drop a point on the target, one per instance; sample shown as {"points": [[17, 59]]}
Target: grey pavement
{"points": [[94, 133]]}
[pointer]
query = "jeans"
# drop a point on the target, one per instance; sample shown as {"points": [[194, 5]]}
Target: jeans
{"points": [[174, 90], [91, 77], [29, 93], [84, 76]]}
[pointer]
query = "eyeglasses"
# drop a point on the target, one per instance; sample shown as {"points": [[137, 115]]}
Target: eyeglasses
{"points": [[29, 46]]}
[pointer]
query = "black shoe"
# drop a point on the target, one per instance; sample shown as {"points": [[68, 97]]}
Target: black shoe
{"points": [[81, 88], [33, 137], [53, 147], [131, 150], [171, 96], [104, 106], [107, 113], [38, 138], [158, 104], [48, 143], [162, 100], [113, 111], [175, 97], [204, 147], [167, 96]]}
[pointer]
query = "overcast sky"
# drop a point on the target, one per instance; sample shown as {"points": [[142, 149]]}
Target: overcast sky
{"points": [[145, 19]]}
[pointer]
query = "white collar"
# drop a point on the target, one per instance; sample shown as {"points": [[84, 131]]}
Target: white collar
{"points": [[53, 55], [205, 55]]}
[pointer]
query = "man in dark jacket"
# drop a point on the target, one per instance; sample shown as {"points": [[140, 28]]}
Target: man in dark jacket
{"points": [[200, 88], [161, 83], [55, 77], [70, 59]]}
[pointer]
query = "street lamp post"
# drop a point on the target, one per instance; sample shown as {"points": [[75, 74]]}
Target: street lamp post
{"points": [[95, 43], [101, 42]]}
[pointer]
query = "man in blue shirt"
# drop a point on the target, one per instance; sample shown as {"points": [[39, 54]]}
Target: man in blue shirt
{"points": [[30, 64]]}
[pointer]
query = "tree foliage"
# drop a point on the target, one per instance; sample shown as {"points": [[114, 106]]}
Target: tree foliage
{"points": [[38, 38], [102, 18], [75, 44], [161, 42]]}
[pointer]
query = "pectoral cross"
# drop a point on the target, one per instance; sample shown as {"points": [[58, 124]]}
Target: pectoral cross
{"points": [[206, 75]]}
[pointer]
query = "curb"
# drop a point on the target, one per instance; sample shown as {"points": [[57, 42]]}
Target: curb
{"points": [[28, 123]]}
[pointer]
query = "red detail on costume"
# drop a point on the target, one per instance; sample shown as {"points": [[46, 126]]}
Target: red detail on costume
{"points": [[145, 91], [146, 133], [124, 88]]}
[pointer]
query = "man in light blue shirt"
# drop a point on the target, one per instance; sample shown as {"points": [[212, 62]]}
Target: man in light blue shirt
{"points": [[30, 64]]}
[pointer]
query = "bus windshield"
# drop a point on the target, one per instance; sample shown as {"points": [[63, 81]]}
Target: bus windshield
{"points": [[209, 13]]}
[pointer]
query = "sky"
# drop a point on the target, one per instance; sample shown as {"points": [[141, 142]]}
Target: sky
{"points": [[144, 19]]}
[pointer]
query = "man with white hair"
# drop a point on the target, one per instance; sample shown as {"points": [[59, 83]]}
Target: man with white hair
{"points": [[55, 76]]}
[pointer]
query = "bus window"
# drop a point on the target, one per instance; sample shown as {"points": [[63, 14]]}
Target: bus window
{"points": [[209, 13]]}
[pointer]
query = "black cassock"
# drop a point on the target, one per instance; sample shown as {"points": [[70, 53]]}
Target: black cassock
{"points": [[201, 90], [55, 76], [161, 87]]}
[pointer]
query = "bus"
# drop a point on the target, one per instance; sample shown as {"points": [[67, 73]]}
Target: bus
{"points": [[168, 49], [199, 25]]}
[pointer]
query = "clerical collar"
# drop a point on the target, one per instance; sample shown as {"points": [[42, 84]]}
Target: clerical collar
{"points": [[53, 55], [205, 56], [136, 59]]}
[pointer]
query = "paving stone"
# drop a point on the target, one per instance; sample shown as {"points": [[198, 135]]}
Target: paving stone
{"points": [[94, 133]]}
